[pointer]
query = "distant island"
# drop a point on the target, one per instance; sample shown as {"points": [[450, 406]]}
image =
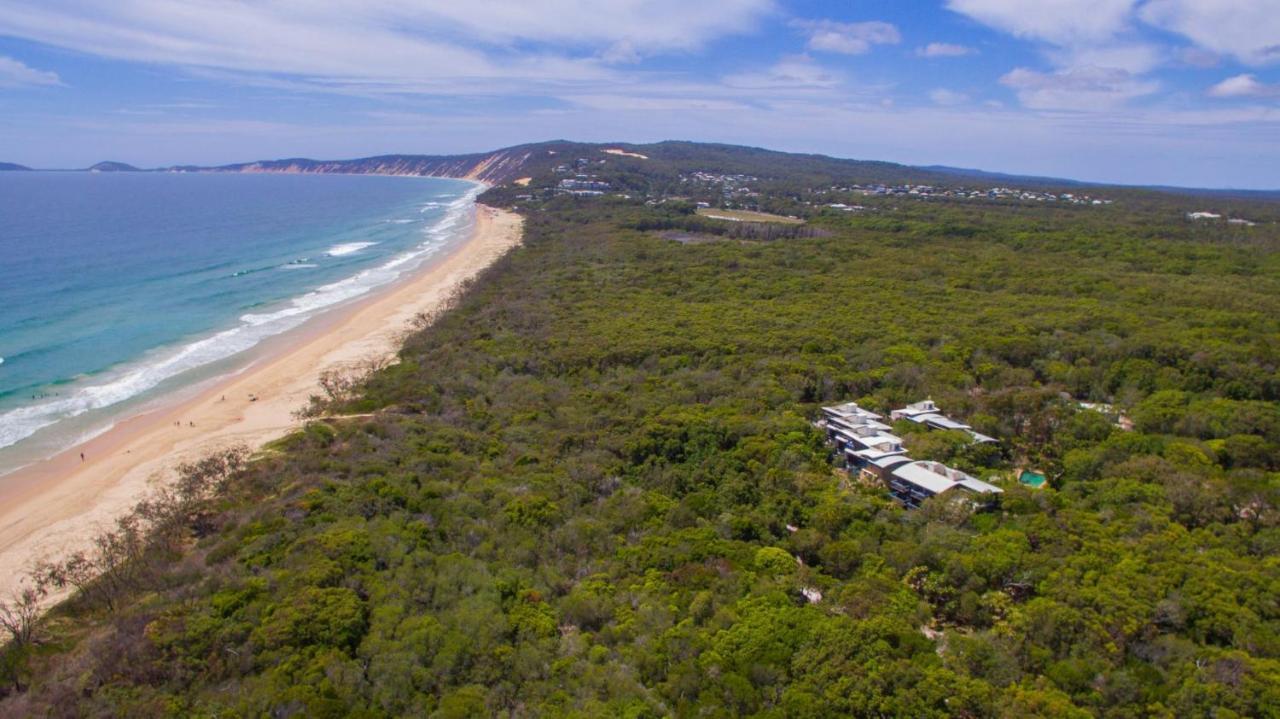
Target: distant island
{"points": [[111, 166], [13, 167]]}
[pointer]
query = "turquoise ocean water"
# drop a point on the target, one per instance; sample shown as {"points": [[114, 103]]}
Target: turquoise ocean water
{"points": [[119, 288]]}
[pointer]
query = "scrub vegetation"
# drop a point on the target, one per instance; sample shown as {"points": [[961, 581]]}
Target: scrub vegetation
{"points": [[593, 487]]}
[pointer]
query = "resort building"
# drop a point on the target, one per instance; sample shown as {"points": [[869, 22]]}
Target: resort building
{"points": [[914, 482], [912, 411], [873, 453], [878, 468], [928, 414], [848, 425]]}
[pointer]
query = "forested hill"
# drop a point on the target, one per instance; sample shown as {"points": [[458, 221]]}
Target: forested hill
{"points": [[594, 487], [658, 168], [112, 166], [664, 160], [495, 167]]}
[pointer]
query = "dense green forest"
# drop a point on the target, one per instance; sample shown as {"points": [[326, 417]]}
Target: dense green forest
{"points": [[593, 488]]}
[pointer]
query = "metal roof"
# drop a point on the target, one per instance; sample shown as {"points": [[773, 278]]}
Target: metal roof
{"points": [[889, 460], [874, 454], [941, 421], [849, 409], [922, 475], [979, 486], [878, 439]]}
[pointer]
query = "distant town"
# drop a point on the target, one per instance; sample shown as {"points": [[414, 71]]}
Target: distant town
{"points": [[582, 178]]}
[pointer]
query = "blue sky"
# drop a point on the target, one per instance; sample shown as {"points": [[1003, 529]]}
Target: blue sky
{"points": [[1137, 91]]}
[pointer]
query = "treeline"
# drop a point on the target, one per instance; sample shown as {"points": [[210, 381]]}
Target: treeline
{"points": [[759, 231], [593, 488], [132, 556]]}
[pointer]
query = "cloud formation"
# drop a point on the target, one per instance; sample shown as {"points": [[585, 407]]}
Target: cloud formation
{"points": [[14, 73], [946, 98], [945, 49], [798, 72], [387, 44], [848, 38], [1080, 89], [1102, 49], [1246, 85], [1248, 30], [1061, 22]]}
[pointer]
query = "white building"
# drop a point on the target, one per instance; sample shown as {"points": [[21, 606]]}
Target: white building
{"points": [[914, 482], [928, 414]]}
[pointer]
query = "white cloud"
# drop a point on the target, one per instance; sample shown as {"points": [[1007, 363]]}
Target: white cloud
{"points": [[621, 52], [1097, 50], [945, 97], [627, 103], [1132, 58], [855, 38], [388, 45], [945, 49], [649, 25], [1062, 22], [1094, 46], [1244, 86], [1248, 30], [1084, 89], [14, 73], [796, 73]]}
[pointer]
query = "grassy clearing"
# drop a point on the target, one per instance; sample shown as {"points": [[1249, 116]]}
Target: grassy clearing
{"points": [[747, 216]]}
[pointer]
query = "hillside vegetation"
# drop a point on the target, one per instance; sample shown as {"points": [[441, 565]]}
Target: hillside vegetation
{"points": [[593, 488]]}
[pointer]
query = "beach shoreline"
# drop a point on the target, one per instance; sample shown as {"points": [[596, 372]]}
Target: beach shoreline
{"points": [[50, 508]]}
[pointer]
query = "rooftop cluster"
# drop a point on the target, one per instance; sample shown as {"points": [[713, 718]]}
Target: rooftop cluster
{"points": [[730, 187], [964, 193], [868, 447], [583, 183], [928, 414]]}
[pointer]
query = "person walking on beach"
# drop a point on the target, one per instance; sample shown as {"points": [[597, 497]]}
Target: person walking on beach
{"points": [[82, 456]]}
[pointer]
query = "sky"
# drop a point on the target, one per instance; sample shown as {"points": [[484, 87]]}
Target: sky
{"points": [[1178, 92]]}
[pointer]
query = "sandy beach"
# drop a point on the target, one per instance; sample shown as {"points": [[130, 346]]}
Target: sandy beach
{"points": [[53, 507]]}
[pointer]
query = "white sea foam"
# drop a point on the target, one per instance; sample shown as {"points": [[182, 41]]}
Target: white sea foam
{"points": [[348, 248], [119, 385]]}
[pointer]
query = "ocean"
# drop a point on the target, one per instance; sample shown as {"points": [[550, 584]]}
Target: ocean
{"points": [[118, 289]]}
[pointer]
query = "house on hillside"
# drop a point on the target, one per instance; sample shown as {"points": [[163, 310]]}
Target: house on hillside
{"points": [[844, 422], [914, 482], [859, 454], [878, 469], [917, 409]]}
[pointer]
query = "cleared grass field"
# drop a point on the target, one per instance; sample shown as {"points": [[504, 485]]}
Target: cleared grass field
{"points": [[747, 216]]}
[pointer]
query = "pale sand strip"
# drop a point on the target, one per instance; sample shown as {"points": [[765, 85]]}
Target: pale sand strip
{"points": [[54, 507]]}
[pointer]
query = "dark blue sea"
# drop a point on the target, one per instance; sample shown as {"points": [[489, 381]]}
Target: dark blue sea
{"points": [[116, 288]]}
